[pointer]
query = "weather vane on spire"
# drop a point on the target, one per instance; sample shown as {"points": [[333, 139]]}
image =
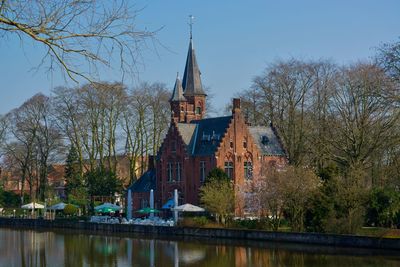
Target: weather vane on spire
{"points": [[191, 18]]}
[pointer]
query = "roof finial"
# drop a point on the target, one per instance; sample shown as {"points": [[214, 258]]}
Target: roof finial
{"points": [[177, 74], [191, 18]]}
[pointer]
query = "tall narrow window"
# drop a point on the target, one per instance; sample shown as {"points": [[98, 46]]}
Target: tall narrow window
{"points": [[170, 171], [144, 203], [178, 171], [229, 169], [198, 110], [202, 171], [248, 170], [173, 146]]}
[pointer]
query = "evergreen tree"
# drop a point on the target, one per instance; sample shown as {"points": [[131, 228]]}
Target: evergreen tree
{"points": [[72, 174], [102, 182]]}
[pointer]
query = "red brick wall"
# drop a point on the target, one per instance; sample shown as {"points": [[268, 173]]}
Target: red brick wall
{"points": [[238, 134], [185, 111], [173, 150], [165, 188]]}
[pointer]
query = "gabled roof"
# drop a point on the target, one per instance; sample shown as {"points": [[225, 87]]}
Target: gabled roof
{"points": [[191, 78], [177, 93], [186, 131], [145, 183], [267, 140]]}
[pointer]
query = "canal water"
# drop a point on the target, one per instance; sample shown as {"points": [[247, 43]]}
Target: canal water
{"points": [[72, 248]]}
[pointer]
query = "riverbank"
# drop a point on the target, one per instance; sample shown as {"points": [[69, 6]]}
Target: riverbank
{"points": [[158, 231]]}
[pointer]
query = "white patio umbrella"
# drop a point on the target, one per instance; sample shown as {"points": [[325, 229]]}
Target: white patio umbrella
{"points": [[32, 206], [188, 208]]}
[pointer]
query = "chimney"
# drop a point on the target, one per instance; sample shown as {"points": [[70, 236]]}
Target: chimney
{"points": [[235, 105], [151, 163]]}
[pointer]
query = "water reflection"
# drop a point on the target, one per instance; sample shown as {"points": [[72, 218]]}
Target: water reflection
{"points": [[31, 248]]}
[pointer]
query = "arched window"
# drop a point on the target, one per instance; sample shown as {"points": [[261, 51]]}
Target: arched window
{"points": [[228, 165], [199, 107], [170, 171], [248, 166], [178, 169], [198, 110]]}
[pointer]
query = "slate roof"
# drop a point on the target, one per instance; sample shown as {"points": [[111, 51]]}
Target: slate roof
{"points": [[209, 134], [177, 93], [191, 81], [202, 137], [145, 183], [187, 130], [271, 145]]}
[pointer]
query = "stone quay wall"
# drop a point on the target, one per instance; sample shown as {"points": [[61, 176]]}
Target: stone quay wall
{"points": [[238, 234]]}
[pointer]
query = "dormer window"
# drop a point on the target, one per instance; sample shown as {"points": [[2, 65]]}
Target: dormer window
{"points": [[264, 140], [215, 136], [206, 137]]}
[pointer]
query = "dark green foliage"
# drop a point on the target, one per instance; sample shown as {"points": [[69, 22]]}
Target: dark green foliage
{"points": [[383, 207], [72, 173], [102, 182], [218, 174], [10, 199], [320, 208], [338, 207], [327, 173]]}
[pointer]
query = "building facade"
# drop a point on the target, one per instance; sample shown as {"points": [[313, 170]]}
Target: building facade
{"points": [[194, 145]]}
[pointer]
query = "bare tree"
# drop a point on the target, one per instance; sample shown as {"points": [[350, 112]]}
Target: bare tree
{"points": [[3, 130], [78, 35], [266, 195], [275, 192], [33, 143], [364, 115], [318, 114], [389, 58], [70, 119], [285, 88], [145, 121]]}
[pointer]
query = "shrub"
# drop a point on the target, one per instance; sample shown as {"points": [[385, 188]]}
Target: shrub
{"points": [[200, 221], [70, 209]]}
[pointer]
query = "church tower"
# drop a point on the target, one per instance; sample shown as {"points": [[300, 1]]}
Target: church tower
{"points": [[188, 100]]}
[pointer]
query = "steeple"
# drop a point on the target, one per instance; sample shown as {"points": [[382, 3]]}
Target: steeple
{"points": [[188, 100], [177, 94], [191, 78]]}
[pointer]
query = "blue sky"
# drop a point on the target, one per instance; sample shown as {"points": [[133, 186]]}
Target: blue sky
{"points": [[234, 41]]}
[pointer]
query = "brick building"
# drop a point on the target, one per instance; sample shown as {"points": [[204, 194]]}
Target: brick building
{"points": [[194, 145]]}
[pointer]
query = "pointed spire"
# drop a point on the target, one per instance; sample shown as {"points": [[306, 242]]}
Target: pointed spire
{"points": [[177, 94], [191, 79]]}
